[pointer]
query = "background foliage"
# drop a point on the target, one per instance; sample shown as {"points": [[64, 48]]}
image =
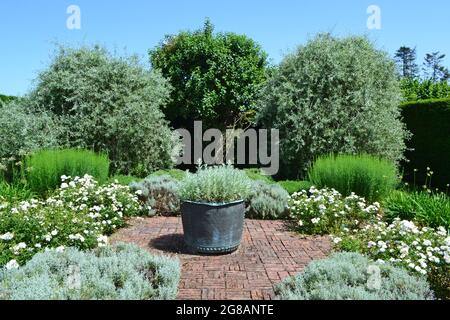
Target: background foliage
{"points": [[333, 95], [4, 99], [23, 131], [414, 89], [215, 76], [108, 104], [428, 120]]}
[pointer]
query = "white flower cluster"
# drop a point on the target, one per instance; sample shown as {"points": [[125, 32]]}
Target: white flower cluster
{"points": [[403, 242], [327, 211], [81, 214]]}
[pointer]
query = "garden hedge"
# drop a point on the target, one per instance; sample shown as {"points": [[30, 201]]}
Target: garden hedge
{"points": [[429, 122], [5, 99]]}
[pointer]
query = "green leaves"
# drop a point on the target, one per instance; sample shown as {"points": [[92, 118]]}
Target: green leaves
{"points": [[108, 104], [333, 95], [215, 76]]}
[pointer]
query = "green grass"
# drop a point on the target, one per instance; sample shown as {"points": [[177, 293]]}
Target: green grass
{"points": [[256, 175], [295, 186], [367, 176], [432, 210], [174, 173], [43, 170], [14, 193]]}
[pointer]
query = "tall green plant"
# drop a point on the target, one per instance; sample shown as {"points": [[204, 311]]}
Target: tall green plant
{"points": [[431, 210], [43, 169], [338, 95], [367, 176]]}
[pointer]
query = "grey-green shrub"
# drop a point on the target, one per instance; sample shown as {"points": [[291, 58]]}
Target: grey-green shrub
{"points": [[159, 194], [338, 95], [43, 169], [120, 272], [219, 184], [267, 201], [108, 104], [348, 276], [23, 131], [368, 176]]}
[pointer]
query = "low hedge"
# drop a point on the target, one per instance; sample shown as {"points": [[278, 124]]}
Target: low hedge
{"points": [[429, 122], [5, 99]]}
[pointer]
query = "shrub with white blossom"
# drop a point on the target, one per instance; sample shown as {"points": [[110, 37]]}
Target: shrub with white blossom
{"points": [[423, 251], [80, 214], [326, 211]]}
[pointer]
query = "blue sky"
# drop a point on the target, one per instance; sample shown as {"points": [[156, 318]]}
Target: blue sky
{"points": [[29, 29]]}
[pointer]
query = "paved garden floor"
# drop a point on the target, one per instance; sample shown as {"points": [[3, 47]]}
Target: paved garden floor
{"points": [[268, 254]]}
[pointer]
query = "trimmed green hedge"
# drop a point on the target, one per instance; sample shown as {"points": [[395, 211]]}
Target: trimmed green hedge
{"points": [[429, 122], [4, 98]]}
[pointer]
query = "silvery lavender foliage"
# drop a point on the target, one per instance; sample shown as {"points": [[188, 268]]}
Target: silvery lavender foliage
{"points": [[351, 276], [123, 272], [218, 184], [159, 194], [267, 201]]}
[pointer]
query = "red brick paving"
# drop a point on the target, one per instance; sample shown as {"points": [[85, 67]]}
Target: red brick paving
{"points": [[268, 254]]}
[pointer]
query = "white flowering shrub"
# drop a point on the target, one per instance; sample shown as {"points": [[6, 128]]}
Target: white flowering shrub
{"points": [[423, 251], [122, 272], [352, 276], [326, 211], [80, 214]]}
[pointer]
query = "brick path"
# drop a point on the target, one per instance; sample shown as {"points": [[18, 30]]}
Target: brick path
{"points": [[268, 254]]}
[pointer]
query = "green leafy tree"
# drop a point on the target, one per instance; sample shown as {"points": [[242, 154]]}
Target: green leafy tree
{"points": [[108, 104], [216, 76], [406, 60], [434, 68], [415, 89], [333, 96]]}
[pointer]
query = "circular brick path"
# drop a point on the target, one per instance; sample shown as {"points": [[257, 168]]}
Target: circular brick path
{"points": [[269, 253]]}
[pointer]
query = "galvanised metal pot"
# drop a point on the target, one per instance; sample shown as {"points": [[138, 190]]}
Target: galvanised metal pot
{"points": [[213, 228]]}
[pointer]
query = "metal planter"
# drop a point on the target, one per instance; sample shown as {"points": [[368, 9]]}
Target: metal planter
{"points": [[213, 228]]}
